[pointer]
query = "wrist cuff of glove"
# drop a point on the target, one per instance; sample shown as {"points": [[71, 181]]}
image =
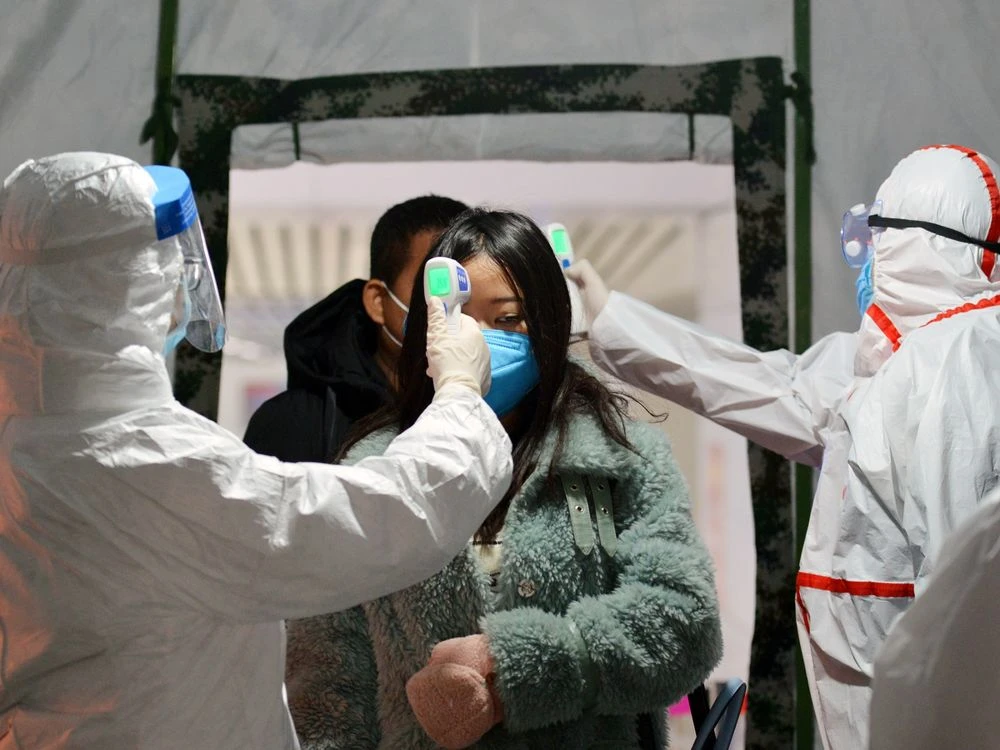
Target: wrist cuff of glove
{"points": [[449, 383]]}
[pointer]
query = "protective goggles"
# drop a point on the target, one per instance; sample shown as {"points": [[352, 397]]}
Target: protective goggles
{"points": [[177, 221], [863, 223]]}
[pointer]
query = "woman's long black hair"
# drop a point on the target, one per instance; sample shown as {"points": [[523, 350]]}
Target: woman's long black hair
{"points": [[522, 253]]}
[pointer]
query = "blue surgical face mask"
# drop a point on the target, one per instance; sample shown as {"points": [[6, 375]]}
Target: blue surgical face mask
{"points": [[864, 287], [513, 368]]}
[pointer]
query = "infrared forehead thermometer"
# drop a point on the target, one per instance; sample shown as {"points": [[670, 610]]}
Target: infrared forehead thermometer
{"points": [[561, 245], [445, 279], [563, 249]]}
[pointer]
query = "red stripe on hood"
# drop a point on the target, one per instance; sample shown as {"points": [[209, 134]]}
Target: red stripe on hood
{"points": [[967, 307], [885, 325], [989, 258]]}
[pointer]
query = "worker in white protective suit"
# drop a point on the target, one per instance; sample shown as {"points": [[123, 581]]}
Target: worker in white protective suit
{"points": [[147, 557], [904, 439], [937, 674]]}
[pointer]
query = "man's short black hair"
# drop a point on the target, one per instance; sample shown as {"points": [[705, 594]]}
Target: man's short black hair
{"points": [[397, 226]]}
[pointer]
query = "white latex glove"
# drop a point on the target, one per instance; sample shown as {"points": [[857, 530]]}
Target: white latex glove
{"points": [[592, 288], [461, 359]]}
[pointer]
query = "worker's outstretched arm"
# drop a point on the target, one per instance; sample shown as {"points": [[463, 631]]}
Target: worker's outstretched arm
{"points": [[777, 399], [246, 537]]}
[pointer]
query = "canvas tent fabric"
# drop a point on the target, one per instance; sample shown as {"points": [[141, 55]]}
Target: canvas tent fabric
{"points": [[887, 77], [87, 72]]}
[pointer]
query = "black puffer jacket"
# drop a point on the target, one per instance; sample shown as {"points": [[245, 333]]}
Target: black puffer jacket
{"points": [[333, 381]]}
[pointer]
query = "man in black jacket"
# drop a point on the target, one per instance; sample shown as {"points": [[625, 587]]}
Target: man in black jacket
{"points": [[342, 351]]}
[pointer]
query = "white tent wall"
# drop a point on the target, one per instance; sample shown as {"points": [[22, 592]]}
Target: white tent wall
{"points": [[310, 38], [887, 76], [75, 76]]}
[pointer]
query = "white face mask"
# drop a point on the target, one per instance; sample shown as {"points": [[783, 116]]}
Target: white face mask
{"points": [[406, 310]]}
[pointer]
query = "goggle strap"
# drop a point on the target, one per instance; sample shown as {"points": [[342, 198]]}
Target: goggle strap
{"points": [[881, 221]]}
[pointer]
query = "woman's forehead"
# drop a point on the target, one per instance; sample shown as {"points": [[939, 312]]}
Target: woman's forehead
{"points": [[489, 282]]}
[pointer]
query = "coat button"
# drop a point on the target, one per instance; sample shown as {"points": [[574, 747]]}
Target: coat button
{"points": [[526, 589]]}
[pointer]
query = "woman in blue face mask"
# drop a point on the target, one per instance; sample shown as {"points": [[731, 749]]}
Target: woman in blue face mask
{"points": [[584, 605]]}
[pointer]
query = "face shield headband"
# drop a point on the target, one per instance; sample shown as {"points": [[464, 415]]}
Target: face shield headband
{"points": [[177, 221], [863, 223]]}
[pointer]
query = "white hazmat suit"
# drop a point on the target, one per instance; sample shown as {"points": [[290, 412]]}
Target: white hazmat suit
{"points": [[147, 557], [936, 675], [900, 418]]}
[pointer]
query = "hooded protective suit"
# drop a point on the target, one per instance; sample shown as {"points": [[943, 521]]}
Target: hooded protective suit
{"points": [[147, 557], [905, 443]]}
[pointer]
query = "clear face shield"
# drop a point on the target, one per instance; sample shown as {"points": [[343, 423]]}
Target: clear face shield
{"points": [[198, 312]]}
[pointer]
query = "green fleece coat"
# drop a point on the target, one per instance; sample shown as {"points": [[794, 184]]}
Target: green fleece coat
{"points": [[583, 643]]}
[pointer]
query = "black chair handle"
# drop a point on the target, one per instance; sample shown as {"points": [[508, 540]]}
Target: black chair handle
{"points": [[724, 714], [699, 705]]}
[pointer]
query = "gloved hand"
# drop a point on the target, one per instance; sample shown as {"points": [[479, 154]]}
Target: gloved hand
{"points": [[454, 697], [592, 288], [461, 359]]}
